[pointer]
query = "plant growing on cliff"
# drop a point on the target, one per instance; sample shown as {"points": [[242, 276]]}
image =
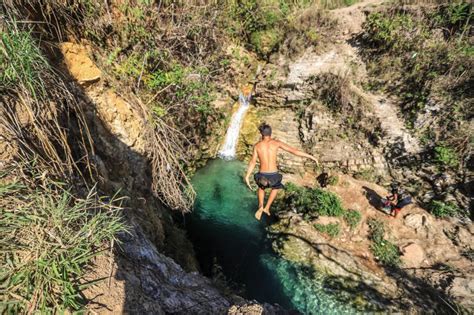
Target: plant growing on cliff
{"points": [[311, 201], [48, 238], [384, 251], [21, 61], [424, 55], [443, 210], [446, 156], [352, 218], [331, 229]]}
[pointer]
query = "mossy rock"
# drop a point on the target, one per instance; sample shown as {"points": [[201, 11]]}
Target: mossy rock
{"points": [[249, 134], [266, 41]]}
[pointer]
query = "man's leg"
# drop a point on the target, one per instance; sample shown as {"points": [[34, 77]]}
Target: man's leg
{"points": [[272, 197], [261, 197]]}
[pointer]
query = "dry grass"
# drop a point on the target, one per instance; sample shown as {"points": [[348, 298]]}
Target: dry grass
{"points": [[37, 107], [168, 157], [41, 115], [48, 237]]}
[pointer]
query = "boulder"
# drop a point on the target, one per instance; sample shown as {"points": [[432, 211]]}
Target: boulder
{"points": [[413, 256], [415, 220], [78, 63]]}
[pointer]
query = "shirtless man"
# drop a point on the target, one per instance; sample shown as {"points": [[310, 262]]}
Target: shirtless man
{"points": [[268, 176]]}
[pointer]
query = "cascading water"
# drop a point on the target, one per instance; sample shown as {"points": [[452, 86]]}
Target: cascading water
{"points": [[232, 136]]}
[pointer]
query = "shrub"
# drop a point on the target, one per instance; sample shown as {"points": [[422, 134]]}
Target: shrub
{"points": [[446, 156], [328, 203], [48, 238], [442, 210], [331, 229], [311, 202], [384, 251], [352, 218]]}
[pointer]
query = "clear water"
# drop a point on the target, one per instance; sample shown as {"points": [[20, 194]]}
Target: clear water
{"points": [[224, 230]]}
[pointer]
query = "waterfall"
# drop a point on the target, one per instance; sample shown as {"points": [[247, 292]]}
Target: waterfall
{"points": [[232, 136]]}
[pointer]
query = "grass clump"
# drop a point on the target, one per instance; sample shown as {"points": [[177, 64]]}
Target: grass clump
{"points": [[48, 237], [333, 180], [384, 251], [352, 218], [330, 229], [21, 61], [443, 210]]}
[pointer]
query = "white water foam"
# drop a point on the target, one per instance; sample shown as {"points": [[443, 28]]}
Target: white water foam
{"points": [[228, 150]]}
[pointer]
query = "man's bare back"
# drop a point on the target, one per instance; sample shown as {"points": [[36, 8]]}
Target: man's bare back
{"points": [[268, 177]]}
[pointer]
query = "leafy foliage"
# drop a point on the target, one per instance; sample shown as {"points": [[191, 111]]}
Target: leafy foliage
{"points": [[442, 210], [384, 251], [48, 238], [446, 156], [310, 201], [352, 218], [331, 229]]}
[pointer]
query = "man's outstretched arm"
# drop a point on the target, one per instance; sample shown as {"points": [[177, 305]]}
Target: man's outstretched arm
{"points": [[297, 152], [251, 167]]}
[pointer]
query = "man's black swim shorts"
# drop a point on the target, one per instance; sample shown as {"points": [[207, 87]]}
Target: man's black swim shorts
{"points": [[269, 180]]}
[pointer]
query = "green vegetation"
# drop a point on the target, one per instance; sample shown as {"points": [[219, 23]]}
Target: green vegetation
{"points": [[331, 229], [442, 210], [48, 238], [446, 156], [367, 174], [333, 180], [311, 201], [352, 218], [258, 23], [425, 56], [384, 251], [267, 25], [21, 61]]}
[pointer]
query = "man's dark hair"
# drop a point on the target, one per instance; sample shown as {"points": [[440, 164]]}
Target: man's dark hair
{"points": [[265, 129]]}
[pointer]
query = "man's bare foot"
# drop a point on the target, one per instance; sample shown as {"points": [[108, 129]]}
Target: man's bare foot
{"points": [[258, 214], [266, 211]]}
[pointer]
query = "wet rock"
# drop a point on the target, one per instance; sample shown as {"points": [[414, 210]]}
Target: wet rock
{"points": [[255, 309]]}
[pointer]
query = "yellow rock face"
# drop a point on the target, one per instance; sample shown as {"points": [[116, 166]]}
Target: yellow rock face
{"points": [[79, 64], [248, 134]]}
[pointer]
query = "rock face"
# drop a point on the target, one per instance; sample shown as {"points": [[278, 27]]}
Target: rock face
{"points": [[78, 63], [413, 255], [147, 282], [144, 281], [303, 244], [436, 272]]}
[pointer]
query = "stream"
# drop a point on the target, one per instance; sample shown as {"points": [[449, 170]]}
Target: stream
{"points": [[225, 233]]}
